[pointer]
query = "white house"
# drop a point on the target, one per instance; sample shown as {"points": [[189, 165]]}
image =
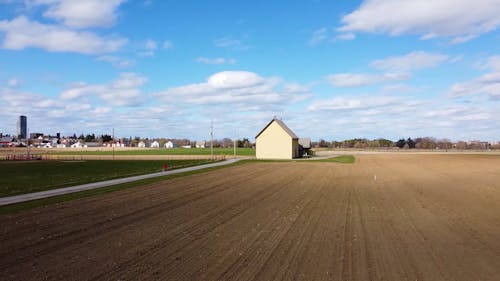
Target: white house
{"points": [[169, 144], [276, 141], [117, 144], [155, 144], [5, 141], [47, 145], [77, 145], [200, 144], [141, 144]]}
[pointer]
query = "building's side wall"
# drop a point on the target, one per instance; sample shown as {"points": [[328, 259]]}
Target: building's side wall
{"points": [[295, 148], [274, 143]]}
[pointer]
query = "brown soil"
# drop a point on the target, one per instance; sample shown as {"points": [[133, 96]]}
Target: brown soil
{"points": [[386, 217]]}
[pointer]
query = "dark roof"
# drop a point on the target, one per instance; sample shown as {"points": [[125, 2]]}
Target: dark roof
{"points": [[282, 125]]}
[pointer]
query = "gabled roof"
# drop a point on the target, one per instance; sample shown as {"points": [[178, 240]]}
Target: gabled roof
{"points": [[282, 125]]}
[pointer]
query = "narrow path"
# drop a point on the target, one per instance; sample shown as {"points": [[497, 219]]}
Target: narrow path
{"points": [[60, 191]]}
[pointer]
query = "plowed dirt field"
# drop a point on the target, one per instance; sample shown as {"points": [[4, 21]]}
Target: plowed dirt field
{"points": [[386, 217]]}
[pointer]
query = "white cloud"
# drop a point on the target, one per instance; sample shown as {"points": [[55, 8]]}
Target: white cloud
{"points": [[454, 112], [346, 36], [230, 43], [124, 91], [325, 34], [14, 101], [295, 92], [45, 103], [363, 79], [243, 89], [116, 61], [149, 48], [21, 33], [72, 107], [102, 110], [14, 83], [487, 84], [396, 68], [355, 103], [410, 62], [234, 80], [394, 117], [81, 14], [462, 20], [399, 88], [167, 44], [216, 60], [81, 115], [318, 36], [150, 45], [492, 63]]}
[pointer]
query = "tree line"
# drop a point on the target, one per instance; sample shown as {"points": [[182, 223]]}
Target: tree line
{"points": [[406, 143]]}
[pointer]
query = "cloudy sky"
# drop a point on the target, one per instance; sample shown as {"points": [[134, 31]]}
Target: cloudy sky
{"points": [[329, 69]]}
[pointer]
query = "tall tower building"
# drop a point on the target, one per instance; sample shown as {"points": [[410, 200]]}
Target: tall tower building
{"points": [[22, 127]]}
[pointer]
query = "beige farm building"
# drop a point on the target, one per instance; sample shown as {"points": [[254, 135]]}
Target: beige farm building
{"points": [[276, 141]]}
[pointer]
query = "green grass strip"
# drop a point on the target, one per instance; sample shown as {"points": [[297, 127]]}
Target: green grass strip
{"points": [[346, 159], [13, 208], [33, 176]]}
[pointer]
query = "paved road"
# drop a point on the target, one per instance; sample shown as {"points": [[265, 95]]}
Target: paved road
{"points": [[71, 189]]}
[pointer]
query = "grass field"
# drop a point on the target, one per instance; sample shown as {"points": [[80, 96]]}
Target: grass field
{"points": [[338, 159], [160, 151], [25, 177]]}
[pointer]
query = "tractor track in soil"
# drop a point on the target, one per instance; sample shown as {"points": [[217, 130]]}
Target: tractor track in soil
{"points": [[385, 217]]}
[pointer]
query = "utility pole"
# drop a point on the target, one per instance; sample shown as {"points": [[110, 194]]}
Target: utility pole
{"points": [[28, 143], [235, 141], [113, 144], [212, 140]]}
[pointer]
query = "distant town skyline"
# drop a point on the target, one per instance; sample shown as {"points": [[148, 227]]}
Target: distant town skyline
{"points": [[22, 127], [332, 70]]}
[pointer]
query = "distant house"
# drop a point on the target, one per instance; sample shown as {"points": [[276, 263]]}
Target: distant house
{"points": [[5, 141], [54, 141], [186, 146], [77, 145], [277, 141], [155, 144], [200, 144], [141, 144], [117, 144], [170, 144], [46, 145]]}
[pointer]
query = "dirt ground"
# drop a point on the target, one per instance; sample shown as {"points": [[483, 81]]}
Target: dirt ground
{"points": [[386, 217]]}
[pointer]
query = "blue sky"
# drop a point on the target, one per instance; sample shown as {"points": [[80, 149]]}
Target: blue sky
{"points": [[329, 69]]}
